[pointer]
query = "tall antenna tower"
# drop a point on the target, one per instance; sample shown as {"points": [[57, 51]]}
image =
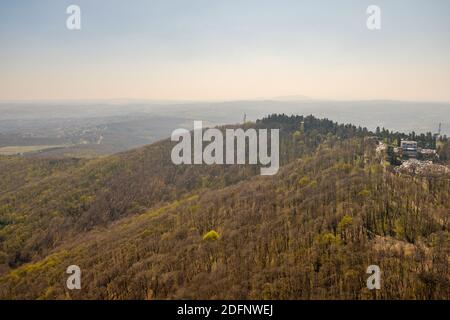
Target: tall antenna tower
{"points": [[245, 118]]}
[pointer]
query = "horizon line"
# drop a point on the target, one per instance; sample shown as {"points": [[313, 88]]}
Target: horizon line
{"points": [[284, 99]]}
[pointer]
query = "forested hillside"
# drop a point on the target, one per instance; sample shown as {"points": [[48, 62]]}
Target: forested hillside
{"points": [[136, 224]]}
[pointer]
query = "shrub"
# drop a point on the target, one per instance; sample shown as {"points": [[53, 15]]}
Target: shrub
{"points": [[211, 236], [364, 193], [304, 181], [345, 221]]}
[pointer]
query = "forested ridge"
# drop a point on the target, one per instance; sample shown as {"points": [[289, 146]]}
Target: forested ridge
{"points": [[136, 224]]}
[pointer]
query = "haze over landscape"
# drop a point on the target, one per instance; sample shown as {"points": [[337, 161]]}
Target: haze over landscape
{"points": [[180, 61], [361, 120]]}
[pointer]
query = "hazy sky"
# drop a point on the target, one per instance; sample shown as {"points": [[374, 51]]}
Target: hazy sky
{"points": [[225, 49]]}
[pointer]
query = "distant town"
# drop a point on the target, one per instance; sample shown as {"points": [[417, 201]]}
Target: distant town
{"points": [[415, 153]]}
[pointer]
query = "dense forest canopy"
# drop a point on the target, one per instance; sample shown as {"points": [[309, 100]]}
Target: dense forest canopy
{"points": [[141, 227]]}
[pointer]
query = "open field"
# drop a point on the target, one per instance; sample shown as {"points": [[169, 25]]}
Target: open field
{"points": [[15, 150]]}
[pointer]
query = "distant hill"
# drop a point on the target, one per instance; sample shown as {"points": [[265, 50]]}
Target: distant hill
{"points": [[89, 129], [135, 223], [295, 97]]}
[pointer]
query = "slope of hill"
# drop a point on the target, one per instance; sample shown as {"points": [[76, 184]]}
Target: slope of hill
{"points": [[134, 223]]}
